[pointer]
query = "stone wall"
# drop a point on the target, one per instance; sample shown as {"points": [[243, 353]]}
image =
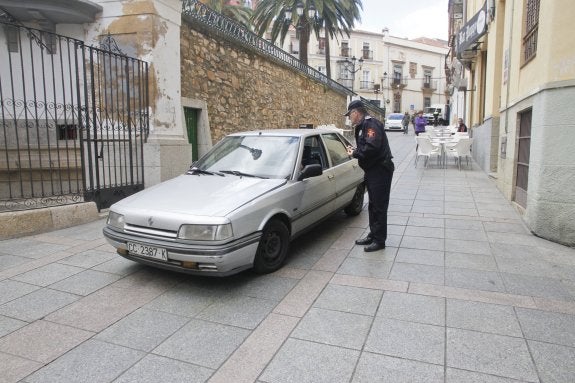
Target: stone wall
{"points": [[245, 90], [486, 144], [551, 193]]}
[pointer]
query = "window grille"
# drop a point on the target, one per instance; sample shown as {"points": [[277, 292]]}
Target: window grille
{"points": [[531, 28]]}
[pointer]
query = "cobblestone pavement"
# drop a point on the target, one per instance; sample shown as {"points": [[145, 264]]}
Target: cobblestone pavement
{"points": [[462, 293]]}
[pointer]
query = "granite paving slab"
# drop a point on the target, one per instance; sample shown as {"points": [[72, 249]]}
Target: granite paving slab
{"points": [[155, 369], [202, 343], [409, 340], [349, 299], [412, 308], [100, 363], [334, 328], [143, 329], [490, 354], [308, 362], [375, 368]]}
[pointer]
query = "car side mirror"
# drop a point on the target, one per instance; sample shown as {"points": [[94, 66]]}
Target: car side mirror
{"points": [[312, 170]]}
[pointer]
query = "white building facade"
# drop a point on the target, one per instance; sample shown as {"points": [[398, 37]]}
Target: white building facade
{"points": [[402, 75]]}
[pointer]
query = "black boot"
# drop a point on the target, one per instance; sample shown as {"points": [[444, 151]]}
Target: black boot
{"points": [[364, 241], [374, 246]]}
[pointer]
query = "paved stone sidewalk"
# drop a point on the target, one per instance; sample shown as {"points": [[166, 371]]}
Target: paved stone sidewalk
{"points": [[462, 293]]}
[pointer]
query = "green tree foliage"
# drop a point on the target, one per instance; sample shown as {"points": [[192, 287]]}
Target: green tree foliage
{"points": [[240, 13], [335, 17]]}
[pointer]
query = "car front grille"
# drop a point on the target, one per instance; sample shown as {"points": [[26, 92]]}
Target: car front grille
{"points": [[148, 232]]}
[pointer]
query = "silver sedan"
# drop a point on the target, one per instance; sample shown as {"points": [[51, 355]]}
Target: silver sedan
{"points": [[241, 204]]}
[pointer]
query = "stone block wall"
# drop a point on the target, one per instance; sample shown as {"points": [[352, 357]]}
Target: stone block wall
{"points": [[245, 90]]}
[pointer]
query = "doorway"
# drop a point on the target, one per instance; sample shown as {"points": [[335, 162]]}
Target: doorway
{"points": [[523, 154], [191, 117]]}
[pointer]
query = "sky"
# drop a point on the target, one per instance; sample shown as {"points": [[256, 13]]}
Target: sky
{"points": [[405, 18]]}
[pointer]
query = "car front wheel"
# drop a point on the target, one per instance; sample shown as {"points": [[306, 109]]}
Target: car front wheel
{"points": [[273, 247], [356, 204]]}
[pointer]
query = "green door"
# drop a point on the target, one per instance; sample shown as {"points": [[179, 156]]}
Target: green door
{"points": [[191, 116]]}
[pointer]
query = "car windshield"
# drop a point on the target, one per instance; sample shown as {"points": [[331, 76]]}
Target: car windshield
{"points": [[257, 156], [395, 117]]}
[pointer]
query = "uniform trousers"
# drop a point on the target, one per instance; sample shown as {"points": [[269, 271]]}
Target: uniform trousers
{"points": [[378, 182]]}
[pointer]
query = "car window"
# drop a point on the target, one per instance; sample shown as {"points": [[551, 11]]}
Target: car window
{"points": [[335, 148], [313, 152], [261, 156], [395, 117]]}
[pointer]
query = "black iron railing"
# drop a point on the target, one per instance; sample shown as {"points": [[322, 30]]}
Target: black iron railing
{"points": [[73, 120]]}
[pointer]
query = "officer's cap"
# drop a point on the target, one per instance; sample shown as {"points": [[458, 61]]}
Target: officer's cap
{"points": [[354, 105]]}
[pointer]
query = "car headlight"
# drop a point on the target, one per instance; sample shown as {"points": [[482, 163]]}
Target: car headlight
{"points": [[116, 220], [205, 232]]}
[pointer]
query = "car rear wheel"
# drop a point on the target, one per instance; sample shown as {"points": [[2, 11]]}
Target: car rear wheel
{"points": [[273, 247], [356, 204]]}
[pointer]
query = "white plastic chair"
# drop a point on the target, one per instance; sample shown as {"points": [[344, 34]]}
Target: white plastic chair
{"points": [[462, 148], [426, 149], [461, 135]]}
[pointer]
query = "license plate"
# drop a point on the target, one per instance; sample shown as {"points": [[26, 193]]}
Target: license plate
{"points": [[148, 251]]}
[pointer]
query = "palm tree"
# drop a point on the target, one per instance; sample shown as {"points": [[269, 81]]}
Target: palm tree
{"points": [[336, 16], [238, 12], [281, 14]]}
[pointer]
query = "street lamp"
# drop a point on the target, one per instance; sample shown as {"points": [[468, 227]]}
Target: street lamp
{"points": [[303, 24], [311, 13], [350, 67], [385, 98]]}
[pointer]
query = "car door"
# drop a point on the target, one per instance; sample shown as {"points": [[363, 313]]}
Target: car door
{"points": [[346, 171], [319, 192]]}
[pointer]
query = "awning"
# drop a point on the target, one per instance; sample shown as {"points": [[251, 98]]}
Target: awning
{"points": [[471, 32]]}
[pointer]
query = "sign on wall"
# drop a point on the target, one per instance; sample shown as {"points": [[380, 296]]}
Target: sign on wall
{"points": [[471, 31]]}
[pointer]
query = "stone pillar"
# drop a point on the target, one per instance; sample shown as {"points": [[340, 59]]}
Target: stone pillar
{"points": [[150, 31]]}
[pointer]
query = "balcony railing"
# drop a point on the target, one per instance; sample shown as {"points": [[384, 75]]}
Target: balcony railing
{"points": [[366, 85], [429, 85], [399, 82]]}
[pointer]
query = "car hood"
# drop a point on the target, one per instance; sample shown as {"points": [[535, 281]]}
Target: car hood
{"points": [[195, 195]]}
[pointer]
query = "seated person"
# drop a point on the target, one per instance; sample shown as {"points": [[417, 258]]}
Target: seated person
{"points": [[461, 127]]}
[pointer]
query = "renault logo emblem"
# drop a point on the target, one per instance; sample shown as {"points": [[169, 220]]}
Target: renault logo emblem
{"points": [[151, 221]]}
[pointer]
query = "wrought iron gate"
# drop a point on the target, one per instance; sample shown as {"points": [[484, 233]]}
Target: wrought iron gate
{"points": [[73, 120]]}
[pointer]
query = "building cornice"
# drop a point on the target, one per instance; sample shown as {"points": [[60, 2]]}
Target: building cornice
{"points": [[53, 11]]}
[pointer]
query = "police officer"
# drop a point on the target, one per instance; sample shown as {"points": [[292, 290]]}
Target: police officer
{"points": [[374, 157]]}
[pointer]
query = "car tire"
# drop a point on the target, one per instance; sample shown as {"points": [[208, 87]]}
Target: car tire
{"points": [[273, 247], [356, 205]]}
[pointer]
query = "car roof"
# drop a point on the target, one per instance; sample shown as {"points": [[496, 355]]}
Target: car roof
{"points": [[285, 132]]}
